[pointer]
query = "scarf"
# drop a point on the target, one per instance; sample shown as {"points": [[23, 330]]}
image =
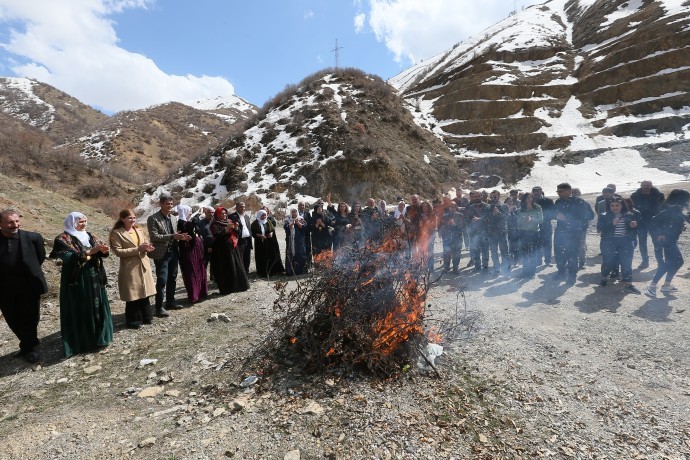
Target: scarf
{"points": [[259, 218], [184, 212], [71, 228]]}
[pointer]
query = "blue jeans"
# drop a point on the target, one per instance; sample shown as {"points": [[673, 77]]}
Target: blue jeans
{"points": [[617, 251], [669, 263], [499, 243], [479, 249], [166, 278]]}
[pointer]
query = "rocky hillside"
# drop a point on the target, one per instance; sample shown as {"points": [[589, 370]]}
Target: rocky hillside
{"points": [[42, 127], [338, 131], [562, 77]]}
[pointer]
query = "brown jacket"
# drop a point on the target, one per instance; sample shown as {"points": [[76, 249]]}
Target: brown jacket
{"points": [[135, 278]]}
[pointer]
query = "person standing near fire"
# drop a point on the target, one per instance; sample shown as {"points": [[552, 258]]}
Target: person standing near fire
{"points": [[571, 217], [21, 282]]}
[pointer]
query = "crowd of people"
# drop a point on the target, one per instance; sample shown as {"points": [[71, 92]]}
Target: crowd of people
{"points": [[524, 230]]}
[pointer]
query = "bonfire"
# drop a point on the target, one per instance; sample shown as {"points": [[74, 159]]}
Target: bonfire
{"points": [[360, 308]]}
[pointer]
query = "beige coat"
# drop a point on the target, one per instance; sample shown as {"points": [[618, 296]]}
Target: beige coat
{"points": [[135, 278]]}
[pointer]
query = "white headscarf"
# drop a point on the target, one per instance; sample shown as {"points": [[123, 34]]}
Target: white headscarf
{"points": [[259, 216], [71, 228], [183, 212]]}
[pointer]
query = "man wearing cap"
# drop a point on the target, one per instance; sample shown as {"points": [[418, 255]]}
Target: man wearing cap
{"points": [[545, 228], [21, 281]]}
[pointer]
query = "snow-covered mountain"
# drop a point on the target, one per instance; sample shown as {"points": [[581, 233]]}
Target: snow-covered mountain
{"points": [[230, 108], [342, 132], [557, 83]]}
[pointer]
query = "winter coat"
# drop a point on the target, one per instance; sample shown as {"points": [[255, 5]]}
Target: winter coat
{"points": [[135, 278]]}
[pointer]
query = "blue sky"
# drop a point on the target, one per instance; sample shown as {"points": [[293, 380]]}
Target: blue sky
{"points": [[130, 54]]}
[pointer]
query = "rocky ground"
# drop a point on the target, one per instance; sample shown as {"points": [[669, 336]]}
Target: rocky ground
{"points": [[546, 370]]}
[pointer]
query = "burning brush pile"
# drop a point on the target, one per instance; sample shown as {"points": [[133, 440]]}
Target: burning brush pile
{"points": [[361, 308]]}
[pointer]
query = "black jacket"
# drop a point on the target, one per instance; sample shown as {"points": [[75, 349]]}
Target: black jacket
{"points": [[648, 205]]}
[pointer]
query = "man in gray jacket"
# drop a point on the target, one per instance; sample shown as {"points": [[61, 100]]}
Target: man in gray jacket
{"points": [[164, 237]]}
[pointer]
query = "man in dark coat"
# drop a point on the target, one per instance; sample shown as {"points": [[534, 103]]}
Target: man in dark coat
{"points": [[162, 227], [245, 242], [571, 218], [648, 200], [21, 281], [475, 222], [497, 233], [450, 227]]}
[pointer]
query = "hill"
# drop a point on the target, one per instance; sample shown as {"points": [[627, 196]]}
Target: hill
{"points": [[57, 142], [340, 131]]}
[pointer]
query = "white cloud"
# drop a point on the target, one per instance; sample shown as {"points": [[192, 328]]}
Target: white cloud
{"points": [[73, 46], [308, 14], [419, 29], [360, 19]]}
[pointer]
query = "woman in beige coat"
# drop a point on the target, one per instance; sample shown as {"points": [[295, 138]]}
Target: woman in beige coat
{"points": [[135, 278]]}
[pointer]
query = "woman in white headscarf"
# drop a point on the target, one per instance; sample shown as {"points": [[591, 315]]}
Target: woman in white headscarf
{"points": [[191, 256], [85, 320], [266, 256]]}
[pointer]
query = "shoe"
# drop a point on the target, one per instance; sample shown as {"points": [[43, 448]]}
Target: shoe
{"points": [[668, 288], [174, 307], [603, 283], [162, 312], [644, 264], [133, 325], [650, 291], [456, 270], [631, 288], [30, 357], [470, 263]]}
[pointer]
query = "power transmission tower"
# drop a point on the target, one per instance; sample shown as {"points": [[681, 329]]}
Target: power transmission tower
{"points": [[336, 50]]}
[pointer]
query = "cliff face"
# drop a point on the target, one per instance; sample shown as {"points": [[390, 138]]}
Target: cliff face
{"points": [[564, 76]]}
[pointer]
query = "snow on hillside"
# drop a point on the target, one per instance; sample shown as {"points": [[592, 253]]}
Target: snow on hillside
{"points": [[22, 89], [230, 103], [546, 25], [263, 170]]}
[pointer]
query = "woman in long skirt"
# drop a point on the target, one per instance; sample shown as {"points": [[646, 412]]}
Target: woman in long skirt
{"points": [[226, 261], [191, 256], [266, 254], [85, 320], [296, 232]]}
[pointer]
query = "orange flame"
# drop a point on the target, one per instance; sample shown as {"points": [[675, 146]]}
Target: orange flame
{"points": [[402, 321], [293, 340], [330, 352]]}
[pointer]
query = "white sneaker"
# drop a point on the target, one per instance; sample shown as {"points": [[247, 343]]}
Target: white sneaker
{"points": [[650, 291], [669, 288]]}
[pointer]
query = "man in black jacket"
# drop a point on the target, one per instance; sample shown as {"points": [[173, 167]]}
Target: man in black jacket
{"points": [[648, 200], [21, 281]]}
